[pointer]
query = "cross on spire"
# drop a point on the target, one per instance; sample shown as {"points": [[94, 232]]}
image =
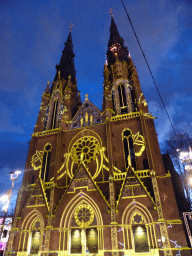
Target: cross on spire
{"points": [[111, 11]]}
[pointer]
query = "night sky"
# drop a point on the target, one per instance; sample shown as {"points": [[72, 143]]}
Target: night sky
{"points": [[32, 38]]}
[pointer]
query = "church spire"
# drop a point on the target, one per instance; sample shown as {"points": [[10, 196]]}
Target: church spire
{"points": [[66, 65], [122, 91], [116, 44]]}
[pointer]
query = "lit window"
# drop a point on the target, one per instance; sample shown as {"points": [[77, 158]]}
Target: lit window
{"points": [[140, 238]]}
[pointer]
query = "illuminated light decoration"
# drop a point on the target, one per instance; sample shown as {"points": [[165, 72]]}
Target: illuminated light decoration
{"points": [[139, 141], [115, 47], [140, 231], [36, 160], [163, 239], [81, 194], [170, 226], [142, 101], [121, 229], [121, 244], [86, 149], [84, 215], [128, 89], [176, 246]]}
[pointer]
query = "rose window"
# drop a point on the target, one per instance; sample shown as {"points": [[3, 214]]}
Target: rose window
{"points": [[84, 215], [85, 149]]}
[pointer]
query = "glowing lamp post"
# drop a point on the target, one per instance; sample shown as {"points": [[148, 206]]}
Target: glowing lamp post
{"points": [[13, 176]]}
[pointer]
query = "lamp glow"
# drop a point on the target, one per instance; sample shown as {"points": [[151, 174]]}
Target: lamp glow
{"points": [[4, 198]]}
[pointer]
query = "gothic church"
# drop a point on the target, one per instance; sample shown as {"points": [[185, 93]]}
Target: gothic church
{"points": [[95, 183]]}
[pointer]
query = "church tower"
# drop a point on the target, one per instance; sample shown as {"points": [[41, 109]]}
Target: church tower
{"points": [[95, 182]]}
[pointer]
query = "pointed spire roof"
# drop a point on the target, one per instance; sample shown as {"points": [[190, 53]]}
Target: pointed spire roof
{"points": [[114, 34], [66, 65], [116, 39]]}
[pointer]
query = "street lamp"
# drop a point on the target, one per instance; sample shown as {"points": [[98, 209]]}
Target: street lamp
{"points": [[13, 177], [7, 197], [186, 158]]}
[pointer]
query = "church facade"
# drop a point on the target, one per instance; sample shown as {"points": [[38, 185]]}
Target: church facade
{"points": [[95, 182]]}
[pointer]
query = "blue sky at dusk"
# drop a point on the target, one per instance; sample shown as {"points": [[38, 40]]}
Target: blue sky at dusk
{"points": [[32, 38]]}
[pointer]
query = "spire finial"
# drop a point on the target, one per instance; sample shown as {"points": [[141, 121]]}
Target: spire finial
{"points": [[86, 96], [71, 26], [111, 11]]}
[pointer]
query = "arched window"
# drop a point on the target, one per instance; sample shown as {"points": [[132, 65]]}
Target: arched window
{"points": [[84, 235], [46, 163], [140, 238], [128, 149], [140, 235], [54, 115], [122, 98], [35, 238]]}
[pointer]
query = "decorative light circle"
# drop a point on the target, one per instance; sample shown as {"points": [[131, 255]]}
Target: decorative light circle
{"points": [[85, 149], [84, 215]]}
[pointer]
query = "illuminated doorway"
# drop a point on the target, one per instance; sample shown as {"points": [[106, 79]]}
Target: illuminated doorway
{"points": [[83, 239], [140, 238], [76, 241], [35, 242]]}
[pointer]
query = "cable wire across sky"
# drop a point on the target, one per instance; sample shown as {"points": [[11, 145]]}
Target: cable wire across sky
{"points": [[149, 68]]}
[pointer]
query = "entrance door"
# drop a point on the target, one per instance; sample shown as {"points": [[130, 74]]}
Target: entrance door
{"points": [[140, 238], [35, 242]]}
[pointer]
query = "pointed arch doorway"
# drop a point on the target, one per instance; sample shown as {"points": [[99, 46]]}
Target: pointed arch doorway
{"points": [[80, 222]]}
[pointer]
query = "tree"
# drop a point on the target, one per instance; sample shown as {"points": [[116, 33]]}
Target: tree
{"points": [[175, 145]]}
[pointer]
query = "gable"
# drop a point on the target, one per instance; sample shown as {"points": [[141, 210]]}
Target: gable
{"points": [[38, 197], [88, 114]]}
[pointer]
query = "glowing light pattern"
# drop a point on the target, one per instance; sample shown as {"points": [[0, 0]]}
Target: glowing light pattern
{"points": [[139, 141], [170, 226], [121, 244], [115, 47], [142, 101], [86, 148], [84, 215], [121, 229], [37, 159], [176, 245]]}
